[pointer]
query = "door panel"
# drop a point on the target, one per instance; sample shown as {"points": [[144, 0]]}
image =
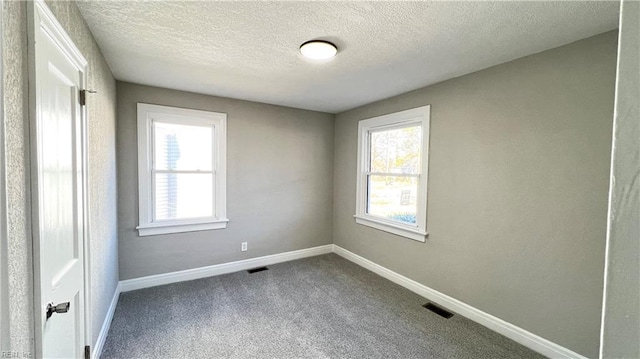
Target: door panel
{"points": [[58, 209]]}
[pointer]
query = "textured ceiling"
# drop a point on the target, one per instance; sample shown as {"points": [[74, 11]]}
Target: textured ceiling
{"points": [[249, 50]]}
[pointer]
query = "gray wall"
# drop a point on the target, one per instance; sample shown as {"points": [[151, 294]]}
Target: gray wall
{"points": [[517, 193], [621, 325], [279, 184], [102, 198], [4, 285], [18, 267]]}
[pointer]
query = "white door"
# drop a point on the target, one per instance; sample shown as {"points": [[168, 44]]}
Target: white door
{"points": [[58, 189]]}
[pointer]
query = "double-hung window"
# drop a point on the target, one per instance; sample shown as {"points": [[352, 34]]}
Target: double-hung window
{"points": [[392, 173], [181, 170]]}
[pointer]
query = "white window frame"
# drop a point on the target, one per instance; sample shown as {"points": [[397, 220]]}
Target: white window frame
{"points": [[419, 115], [147, 114]]}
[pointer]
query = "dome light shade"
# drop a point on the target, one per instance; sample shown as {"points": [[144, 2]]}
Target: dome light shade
{"points": [[318, 50]]}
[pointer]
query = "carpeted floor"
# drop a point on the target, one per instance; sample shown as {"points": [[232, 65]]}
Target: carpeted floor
{"points": [[319, 307]]}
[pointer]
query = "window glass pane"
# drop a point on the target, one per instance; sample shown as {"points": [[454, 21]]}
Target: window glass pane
{"points": [[393, 197], [182, 195], [396, 150], [182, 147]]}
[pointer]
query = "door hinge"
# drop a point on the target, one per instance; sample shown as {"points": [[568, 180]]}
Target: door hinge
{"points": [[82, 98], [87, 352]]}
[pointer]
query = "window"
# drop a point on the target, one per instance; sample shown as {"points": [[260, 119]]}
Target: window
{"points": [[392, 173], [181, 170]]}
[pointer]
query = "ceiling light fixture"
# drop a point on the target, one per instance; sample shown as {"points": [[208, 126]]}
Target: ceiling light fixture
{"points": [[318, 50]]}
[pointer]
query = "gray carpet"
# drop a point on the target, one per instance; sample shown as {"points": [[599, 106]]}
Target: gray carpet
{"points": [[319, 307]]}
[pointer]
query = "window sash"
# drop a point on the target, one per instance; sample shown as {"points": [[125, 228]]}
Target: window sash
{"points": [[367, 199], [390, 127], [154, 171], [368, 173], [391, 174], [184, 122], [154, 217]]}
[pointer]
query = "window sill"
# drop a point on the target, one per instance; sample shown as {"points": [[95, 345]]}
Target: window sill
{"points": [[166, 228], [415, 234]]}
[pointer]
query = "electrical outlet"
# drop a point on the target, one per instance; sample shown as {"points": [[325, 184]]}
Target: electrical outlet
{"points": [[244, 247]]}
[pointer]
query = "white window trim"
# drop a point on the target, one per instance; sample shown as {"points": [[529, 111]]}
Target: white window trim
{"points": [[146, 115], [393, 120]]}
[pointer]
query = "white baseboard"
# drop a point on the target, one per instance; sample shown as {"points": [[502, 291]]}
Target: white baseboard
{"points": [[106, 324], [517, 334], [218, 269]]}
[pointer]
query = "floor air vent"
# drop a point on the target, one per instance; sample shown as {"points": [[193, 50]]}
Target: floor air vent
{"points": [[256, 270], [441, 312]]}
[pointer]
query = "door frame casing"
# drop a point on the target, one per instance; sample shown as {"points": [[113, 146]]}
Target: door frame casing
{"points": [[62, 39]]}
